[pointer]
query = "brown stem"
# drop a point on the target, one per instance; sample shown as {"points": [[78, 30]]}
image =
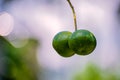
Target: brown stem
{"points": [[74, 14]]}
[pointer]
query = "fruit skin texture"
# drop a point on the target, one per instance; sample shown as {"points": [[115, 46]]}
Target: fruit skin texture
{"points": [[82, 42], [60, 44]]}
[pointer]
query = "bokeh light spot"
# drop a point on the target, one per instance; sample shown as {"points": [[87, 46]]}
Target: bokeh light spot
{"points": [[6, 23]]}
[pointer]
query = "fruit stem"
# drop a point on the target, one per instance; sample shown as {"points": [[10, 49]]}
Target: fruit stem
{"points": [[74, 14]]}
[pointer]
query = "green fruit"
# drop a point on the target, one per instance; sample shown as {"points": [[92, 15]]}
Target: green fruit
{"points": [[82, 42], [60, 44]]}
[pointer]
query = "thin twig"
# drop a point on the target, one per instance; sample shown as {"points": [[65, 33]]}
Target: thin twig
{"points": [[74, 14]]}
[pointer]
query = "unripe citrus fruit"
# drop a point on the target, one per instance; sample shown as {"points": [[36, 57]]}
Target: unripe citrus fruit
{"points": [[60, 44], [82, 42]]}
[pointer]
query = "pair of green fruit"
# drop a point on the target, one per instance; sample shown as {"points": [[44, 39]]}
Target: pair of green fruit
{"points": [[81, 42]]}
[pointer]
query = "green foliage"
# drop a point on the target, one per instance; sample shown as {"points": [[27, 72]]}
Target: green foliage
{"points": [[93, 72], [18, 63]]}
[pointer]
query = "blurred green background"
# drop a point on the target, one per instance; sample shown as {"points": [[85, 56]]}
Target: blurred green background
{"points": [[27, 52]]}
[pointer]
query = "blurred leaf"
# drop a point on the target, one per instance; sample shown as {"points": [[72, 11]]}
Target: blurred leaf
{"points": [[94, 72], [91, 72], [18, 63]]}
